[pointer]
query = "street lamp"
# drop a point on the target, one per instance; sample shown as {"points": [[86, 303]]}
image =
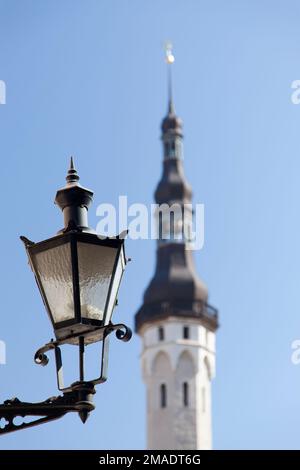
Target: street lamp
{"points": [[78, 274]]}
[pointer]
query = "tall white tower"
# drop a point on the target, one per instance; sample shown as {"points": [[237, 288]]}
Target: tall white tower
{"points": [[176, 324]]}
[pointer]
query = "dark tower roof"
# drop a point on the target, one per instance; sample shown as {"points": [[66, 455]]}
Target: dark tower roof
{"points": [[171, 123], [175, 289], [173, 186]]}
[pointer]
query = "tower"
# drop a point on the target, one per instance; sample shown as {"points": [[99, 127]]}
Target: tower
{"points": [[176, 324]]}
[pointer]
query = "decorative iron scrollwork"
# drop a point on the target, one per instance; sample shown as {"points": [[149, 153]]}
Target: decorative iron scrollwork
{"points": [[78, 397]]}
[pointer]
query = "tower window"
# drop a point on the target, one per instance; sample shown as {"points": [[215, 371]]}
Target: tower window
{"points": [[161, 333], [185, 390], [167, 147], [172, 153], [186, 332], [163, 396]]}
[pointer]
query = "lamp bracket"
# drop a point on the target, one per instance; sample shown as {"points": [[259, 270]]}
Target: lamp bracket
{"points": [[78, 397], [78, 400]]}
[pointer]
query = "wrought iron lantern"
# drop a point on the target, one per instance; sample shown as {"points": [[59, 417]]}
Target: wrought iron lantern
{"points": [[78, 274]]}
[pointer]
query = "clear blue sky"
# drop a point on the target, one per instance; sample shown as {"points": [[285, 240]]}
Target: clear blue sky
{"points": [[87, 78]]}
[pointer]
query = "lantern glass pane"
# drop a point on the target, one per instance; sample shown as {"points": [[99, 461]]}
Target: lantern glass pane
{"points": [[115, 286], [95, 265], [54, 269]]}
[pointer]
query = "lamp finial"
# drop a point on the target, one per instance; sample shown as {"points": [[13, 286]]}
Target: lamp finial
{"points": [[72, 176]]}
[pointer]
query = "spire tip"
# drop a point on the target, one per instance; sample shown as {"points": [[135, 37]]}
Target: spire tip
{"points": [[72, 176], [170, 59]]}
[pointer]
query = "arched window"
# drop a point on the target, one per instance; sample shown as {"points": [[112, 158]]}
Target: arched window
{"points": [[163, 396], [185, 380], [185, 391], [161, 333]]}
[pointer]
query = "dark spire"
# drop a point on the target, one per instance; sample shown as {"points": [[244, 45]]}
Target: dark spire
{"points": [[175, 289], [171, 109], [173, 186], [171, 124]]}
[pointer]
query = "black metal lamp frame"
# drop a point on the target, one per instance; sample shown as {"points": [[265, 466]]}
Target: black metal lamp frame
{"points": [[74, 201], [78, 325], [78, 397]]}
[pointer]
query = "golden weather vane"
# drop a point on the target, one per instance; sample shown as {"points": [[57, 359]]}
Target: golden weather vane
{"points": [[169, 53]]}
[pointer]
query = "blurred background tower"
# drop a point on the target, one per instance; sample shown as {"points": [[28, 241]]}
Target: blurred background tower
{"points": [[176, 324]]}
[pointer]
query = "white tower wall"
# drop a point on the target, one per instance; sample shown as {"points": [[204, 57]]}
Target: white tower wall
{"points": [[178, 417]]}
